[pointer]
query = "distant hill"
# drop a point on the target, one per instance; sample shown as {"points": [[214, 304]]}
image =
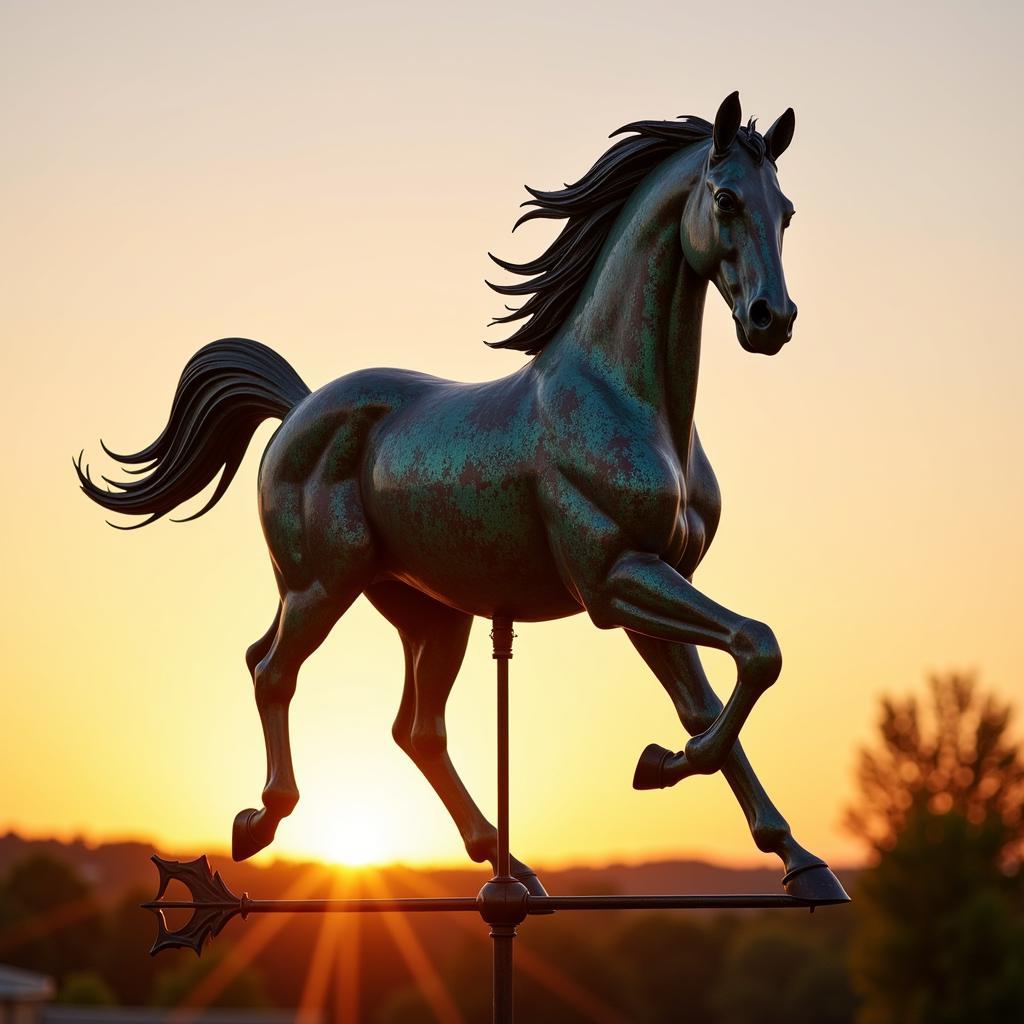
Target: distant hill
{"points": [[114, 869], [110, 868]]}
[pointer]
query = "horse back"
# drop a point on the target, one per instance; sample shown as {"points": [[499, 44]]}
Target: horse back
{"points": [[450, 487], [432, 481]]}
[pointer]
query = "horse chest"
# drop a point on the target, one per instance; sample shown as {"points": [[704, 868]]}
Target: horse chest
{"points": [[699, 513], [681, 523], [673, 509]]}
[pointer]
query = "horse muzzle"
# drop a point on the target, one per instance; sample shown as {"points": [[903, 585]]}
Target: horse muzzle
{"points": [[765, 327]]}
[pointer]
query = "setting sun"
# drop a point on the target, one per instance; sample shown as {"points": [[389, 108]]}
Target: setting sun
{"points": [[362, 838]]}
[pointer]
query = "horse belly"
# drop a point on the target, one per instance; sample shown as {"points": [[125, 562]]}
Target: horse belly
{"points": [[464, 526]]}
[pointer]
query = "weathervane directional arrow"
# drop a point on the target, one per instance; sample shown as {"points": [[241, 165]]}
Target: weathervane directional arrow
{"points": [[213, 904]]}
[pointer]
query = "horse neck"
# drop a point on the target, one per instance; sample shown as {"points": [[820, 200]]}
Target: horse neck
{"points": [[637, 323]]}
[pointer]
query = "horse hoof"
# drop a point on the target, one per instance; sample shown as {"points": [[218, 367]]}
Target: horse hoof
{"points": [[815, 883], [244, 839], [533, 887], [649, 772]]}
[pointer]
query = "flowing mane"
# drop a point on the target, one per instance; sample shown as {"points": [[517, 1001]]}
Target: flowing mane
{"points": [[590, 207]]}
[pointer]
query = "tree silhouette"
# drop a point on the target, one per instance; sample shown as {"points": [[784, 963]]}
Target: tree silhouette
{"points": [[940, 937], [122, 957], [175, 985], [86, 988], [783, 971], [50, 917], [953, 754], [670, 965]]}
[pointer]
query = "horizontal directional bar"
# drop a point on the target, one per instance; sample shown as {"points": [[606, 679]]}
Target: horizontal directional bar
{"points": [[246, 906], [502, 903], [534, 904], [752, 901]]}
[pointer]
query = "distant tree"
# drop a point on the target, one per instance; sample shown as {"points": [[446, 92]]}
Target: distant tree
{"points": [[406, 1006], [577, 952], [940, 938], [86, 988], [51, 918], [782, 972], [670, 967], [953, 752], [123, 958], [243, 988], [8, 914], [565, 974], [42, 883]]}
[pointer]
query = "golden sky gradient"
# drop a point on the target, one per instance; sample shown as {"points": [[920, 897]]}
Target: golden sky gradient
{"points": [[328, 178]]}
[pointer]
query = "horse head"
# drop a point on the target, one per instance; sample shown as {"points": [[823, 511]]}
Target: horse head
{"points": [[733, 223]]}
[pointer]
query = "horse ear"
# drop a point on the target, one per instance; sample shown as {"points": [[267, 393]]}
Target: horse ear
{"points": [[780, 135], [727, 123]]}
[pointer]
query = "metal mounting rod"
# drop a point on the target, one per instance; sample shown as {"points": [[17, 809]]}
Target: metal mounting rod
{"points": [[501, 638], [506, 892], [543, 905], [246, 906], [745, 901]]}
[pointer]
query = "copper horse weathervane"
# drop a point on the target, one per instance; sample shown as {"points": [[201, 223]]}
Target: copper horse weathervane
{"points": [[576, 484]]}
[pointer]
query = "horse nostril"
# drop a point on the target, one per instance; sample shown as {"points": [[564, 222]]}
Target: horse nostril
{"points": [[760, 314]]}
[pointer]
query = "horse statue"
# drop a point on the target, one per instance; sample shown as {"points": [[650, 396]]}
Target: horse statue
{"points": [[575, 484]]}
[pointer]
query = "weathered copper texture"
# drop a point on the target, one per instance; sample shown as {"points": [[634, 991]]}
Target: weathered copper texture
{"points": [[577, 483]]}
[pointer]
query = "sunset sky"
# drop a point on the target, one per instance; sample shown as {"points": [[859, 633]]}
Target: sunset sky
{"points": [[328, 178]]}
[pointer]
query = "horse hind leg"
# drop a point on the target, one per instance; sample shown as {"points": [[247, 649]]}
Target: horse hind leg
{"points": [[304, 619], [259, 650], [434, 637], [243, 843]]}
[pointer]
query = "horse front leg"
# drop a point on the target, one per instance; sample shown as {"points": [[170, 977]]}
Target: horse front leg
{"points": [[644, 594], [679, 670]]}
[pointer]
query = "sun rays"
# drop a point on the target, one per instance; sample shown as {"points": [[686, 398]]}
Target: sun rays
{"points": [[347, 991], [255, 937], [555, 981], [415, 956], [336, 954], [331, 988]]}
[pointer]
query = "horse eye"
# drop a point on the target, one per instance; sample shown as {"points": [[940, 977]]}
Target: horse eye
{"points": [[725, 201]]}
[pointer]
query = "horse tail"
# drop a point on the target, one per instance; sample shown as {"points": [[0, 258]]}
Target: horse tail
{"points": [[227, 389]]}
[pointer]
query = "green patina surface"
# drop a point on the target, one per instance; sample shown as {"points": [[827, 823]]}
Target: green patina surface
{"points": [[575, 483]]}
